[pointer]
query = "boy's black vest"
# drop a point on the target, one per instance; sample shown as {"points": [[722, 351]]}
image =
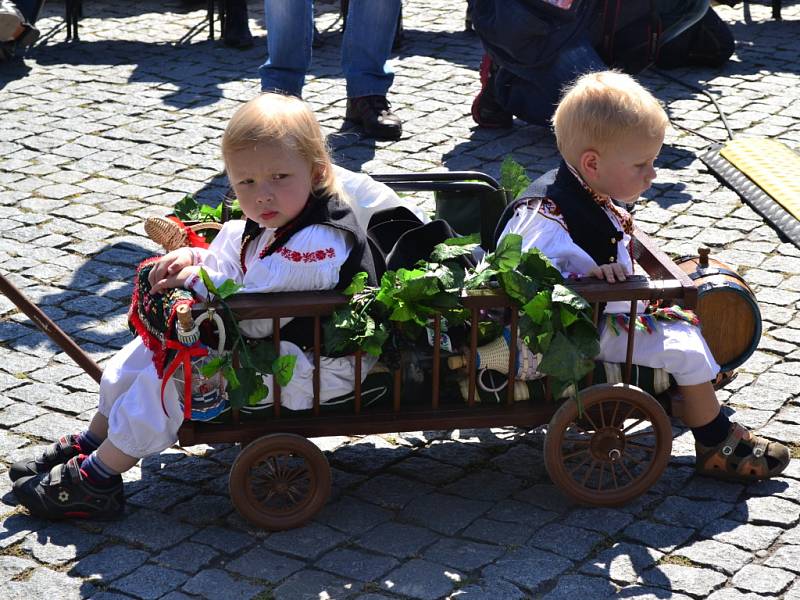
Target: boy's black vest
{"points": [[333, 212], [587, 222]]}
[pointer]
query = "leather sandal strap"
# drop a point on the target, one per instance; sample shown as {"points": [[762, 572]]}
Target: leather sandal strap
{"points": [[736, 434], [760, 447]]}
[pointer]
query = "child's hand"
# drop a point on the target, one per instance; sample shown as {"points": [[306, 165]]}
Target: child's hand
{"points": [[611, 272], [170, 264], [175, 281]]}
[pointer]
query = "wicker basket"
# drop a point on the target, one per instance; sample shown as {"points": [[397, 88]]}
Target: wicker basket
{"points": [[170, 234]]}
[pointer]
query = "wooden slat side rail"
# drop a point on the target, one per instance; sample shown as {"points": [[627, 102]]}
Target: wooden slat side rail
{"points": [[632, 316], [472, 357], [317, 355], [319, 304], [357, 382], [276, 389], [512, 356], [436, 375], [373, 421]]}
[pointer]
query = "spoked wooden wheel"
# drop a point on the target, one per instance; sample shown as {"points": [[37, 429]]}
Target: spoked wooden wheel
{"points": [[280, 481], [614, 451]]}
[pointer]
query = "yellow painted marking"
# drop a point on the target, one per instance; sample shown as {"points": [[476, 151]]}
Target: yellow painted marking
{"points": [[771, 165]]}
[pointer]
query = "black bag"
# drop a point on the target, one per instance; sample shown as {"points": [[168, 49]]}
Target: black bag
{"points": [[707, 43], [398, 239], [627, 35]]}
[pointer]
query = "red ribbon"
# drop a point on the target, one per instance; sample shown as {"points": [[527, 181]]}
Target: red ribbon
{"points": [[184, 357]]}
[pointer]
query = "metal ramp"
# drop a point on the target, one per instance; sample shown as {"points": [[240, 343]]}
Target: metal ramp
{"points": [[766, 174]]}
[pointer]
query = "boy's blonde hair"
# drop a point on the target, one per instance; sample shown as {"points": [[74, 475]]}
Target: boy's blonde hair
{"points": [[287, 121], [600, 109]]}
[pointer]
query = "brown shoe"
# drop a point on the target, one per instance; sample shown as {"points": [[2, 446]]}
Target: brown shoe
{"points": [[375, 116], [766, 459]]}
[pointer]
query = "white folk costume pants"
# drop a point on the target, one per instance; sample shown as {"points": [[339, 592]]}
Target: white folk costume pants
{"points": [[130, 395], [675, 346]]}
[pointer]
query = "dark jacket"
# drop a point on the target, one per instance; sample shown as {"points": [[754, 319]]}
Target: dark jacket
{"points": [[524, 36]]}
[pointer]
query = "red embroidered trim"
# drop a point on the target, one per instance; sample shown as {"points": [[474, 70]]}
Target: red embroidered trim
{"points": [[549, 210], [306, 257]]}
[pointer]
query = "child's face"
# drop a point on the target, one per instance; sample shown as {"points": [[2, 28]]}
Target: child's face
{"points": [[272, 183], [626, 171]]}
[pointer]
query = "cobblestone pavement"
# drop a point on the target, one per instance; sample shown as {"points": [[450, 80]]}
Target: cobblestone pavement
{"points": [[99, 134]]}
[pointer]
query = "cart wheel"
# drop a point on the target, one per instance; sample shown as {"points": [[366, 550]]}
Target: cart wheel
{"points": [[280, 481], [614, 451]]}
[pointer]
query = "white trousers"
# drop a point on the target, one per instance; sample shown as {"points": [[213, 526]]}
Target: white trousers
{"points": [[675, 346], [130, 395]]}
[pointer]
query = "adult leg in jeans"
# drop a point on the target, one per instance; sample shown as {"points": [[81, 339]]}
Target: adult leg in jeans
{"points": [[534, 98], [290, 29], [366, 47]]}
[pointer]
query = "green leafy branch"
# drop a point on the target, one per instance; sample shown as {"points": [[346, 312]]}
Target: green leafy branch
{"points": [[189, 209], [403, 303], [245, 383], [513, 176], [555, 322]]}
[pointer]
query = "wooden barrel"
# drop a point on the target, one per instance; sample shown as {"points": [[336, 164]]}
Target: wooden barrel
{"points": [[728, 311]]}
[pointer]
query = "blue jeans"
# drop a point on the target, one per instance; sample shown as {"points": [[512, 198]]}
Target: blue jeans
{"points": [[534, 99], [366, 45]]}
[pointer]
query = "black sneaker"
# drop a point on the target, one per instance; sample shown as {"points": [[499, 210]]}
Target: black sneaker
{"points": [[64, 493], [486, 111], [55, 454], [375, 116]]}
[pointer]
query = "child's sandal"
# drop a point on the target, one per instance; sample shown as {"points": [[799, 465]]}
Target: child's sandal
{"points": [[722, 461], [724, 378]]}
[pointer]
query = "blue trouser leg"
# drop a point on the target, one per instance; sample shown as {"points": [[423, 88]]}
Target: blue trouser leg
{"points": [[366, 46], [290, 28]]}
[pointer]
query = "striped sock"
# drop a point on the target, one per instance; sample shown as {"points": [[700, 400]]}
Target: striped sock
{"points": [[87, 442], [95, 470]]}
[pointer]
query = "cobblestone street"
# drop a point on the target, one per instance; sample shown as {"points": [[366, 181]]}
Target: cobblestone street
{"points": [[99, 134]]}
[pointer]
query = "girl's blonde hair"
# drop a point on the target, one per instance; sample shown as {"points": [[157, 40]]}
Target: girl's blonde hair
{"points": [[600, 109], [287, 121]]}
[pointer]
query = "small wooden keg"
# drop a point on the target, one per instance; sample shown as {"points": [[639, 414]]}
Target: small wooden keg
{"points": [[728, 311]]}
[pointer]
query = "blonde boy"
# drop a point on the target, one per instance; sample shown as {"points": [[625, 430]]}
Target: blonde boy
{"points": [[609, 131]]}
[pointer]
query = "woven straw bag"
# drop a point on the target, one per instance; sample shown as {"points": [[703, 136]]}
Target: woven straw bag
{"points": [[170, 234]]}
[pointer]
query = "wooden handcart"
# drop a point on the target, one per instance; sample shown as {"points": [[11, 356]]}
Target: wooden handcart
{"points": [[607, 455]]}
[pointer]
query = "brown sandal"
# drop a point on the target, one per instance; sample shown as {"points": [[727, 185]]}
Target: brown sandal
{"points": [[722, 461], [724, 378]]}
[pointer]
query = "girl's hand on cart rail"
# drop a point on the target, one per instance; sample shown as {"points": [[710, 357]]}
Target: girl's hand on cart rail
{"points": [[170, 264], [611, 272]]}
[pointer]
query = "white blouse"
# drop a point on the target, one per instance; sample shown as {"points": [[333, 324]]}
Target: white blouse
{"points": [[309, 260]]}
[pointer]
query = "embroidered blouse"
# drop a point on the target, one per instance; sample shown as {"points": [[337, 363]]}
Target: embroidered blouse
{"points": [[309, 260]]}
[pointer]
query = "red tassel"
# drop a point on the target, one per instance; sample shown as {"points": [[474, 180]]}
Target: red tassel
{"points": [[194, 239]]}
